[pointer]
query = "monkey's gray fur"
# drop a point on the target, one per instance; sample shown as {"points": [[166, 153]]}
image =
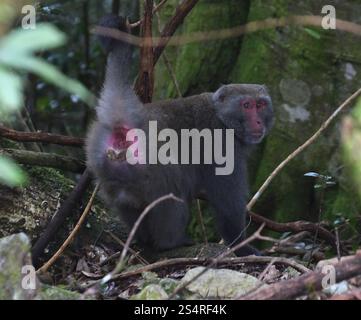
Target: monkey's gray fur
{"points": [[128, 189]]}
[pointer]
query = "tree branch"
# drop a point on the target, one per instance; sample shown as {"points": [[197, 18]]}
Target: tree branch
{"points": [[66, 209], [296, 226], [181, 12], [43, 137], [71, 236], [226, 262], [145, 81], [308, 282], [44, 160]]}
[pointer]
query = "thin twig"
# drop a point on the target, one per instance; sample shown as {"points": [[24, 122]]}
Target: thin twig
{"points": [[172, 25], [133, 252], [294, 226], [301, 148], [250, 27], [264, 272], [167, 63], [201, 221], [338, 244], [155, 11], [135, 227], [70, 238], [206, 261]]}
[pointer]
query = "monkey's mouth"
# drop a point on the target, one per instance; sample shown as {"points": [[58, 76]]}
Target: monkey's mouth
{"points": [[257, 135]]}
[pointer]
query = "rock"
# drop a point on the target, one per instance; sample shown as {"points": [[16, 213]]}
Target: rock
{"points": [[17, 275], [295, 92], [337, 288], [168, 284], [151, 292], [220, 283], [18, 280]]}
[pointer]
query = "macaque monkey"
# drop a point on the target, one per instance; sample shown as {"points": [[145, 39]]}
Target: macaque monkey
{"points": [[128, 189]]}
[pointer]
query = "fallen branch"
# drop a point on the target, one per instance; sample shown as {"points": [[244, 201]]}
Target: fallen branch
{"points": [[292, 251], [70, 238], [44, 159], [66, 209], [306, 283], [204, 262], [295, 226], [42, 137]]}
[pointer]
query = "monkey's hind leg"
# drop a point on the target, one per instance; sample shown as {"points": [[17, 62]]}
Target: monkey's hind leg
{"points": [[166, 225]]}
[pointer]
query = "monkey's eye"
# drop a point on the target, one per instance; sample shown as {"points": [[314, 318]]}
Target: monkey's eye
{"points": [[246, 105], [261, 104]]}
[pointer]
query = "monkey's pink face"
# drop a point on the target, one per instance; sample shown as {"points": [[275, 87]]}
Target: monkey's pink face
{"points": [[253, 115]]}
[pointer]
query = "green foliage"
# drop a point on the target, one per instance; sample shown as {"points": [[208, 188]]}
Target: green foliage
{"points": [[17, 54], [313, 33], [11, 91], [17, 51], [352, 144], [10, 173], [195, 229]]}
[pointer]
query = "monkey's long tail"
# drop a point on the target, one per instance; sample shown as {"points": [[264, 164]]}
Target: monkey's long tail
{"points": [[118, 103]]}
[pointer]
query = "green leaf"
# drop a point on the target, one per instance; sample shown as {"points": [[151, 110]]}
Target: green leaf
{"points": [[7, 12], [11, 91], [313, 33], [357, 111], [10, 173], [21, 41], [49, 73]]}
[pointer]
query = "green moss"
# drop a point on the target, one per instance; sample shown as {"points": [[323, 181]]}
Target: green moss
{"points": [[49, 176], [203, 66], [58, 293], [269, 56]]}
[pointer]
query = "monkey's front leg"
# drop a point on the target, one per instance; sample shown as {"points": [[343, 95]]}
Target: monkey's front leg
{"points": [[227, 197]]}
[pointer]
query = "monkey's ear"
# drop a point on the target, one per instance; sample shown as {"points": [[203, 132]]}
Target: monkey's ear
{"points": [[265, 88], [115, 22], [220, 95]]}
